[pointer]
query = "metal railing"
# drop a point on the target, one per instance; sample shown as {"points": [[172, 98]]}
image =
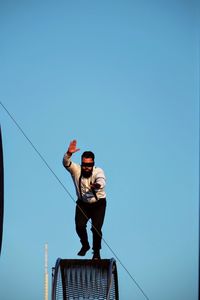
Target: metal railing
{"points": [[84, 279]]}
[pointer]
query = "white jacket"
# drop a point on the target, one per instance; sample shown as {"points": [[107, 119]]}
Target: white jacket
{"points": [[86, 193]]}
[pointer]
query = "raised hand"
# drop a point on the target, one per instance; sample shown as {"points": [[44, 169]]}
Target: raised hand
{"points": [[72, 147]]}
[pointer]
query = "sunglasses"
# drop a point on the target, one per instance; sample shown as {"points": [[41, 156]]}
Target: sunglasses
{"points": [[87, 164]]}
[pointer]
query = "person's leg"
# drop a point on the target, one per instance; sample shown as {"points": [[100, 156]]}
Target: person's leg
{"points": [[81, 219], [97, 217]]}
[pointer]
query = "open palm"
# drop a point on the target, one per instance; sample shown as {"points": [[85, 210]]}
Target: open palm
{"points": [[72, 147]]}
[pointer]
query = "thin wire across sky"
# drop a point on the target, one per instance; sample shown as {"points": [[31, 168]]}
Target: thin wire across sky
{"points": [[69, 194]]}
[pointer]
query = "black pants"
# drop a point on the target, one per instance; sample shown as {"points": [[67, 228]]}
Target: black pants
{"points": [[95, 212]]}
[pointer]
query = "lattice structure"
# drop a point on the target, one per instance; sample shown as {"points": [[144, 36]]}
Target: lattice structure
{"points": [[84, 279]]}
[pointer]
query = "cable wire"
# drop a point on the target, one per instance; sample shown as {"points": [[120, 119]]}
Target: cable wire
{"points": [[69, 194]]}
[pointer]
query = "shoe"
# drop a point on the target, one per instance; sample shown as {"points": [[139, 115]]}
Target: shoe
{"points": [[83, 250], [96, 255]]}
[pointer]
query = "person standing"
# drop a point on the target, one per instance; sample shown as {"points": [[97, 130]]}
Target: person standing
{"points": [[90, 184]]}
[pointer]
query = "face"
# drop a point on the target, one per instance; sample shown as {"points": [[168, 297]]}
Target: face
{"points": [[87, 166]]}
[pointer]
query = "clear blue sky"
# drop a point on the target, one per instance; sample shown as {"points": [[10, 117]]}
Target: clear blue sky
{"points": [[121, 77]]}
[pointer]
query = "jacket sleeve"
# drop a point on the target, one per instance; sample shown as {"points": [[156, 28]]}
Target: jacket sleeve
{"points": [[100, 178], [70, 166], [67, 161]]}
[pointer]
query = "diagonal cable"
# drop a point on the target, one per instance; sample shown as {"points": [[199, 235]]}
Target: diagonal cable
{"points": [[51, 170]]}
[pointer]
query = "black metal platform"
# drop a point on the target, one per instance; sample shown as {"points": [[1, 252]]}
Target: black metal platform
{"points": [[85, 279]]}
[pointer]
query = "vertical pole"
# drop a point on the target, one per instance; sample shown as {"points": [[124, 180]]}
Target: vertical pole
{"points": [[1, 190], [46, 285]]}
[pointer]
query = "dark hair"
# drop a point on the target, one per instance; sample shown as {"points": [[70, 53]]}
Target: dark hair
{"points": [[88, 154]]}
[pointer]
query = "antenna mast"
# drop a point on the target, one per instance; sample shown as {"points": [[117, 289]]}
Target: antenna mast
{"points": [[46, 272]]}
